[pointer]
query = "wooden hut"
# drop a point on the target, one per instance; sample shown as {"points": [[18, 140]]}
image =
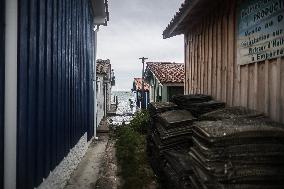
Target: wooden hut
{"points": [[47, 97], [234, 51], [166, 79]]}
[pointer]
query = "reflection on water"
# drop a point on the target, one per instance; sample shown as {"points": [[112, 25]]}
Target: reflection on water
{"points": [[125, 109]]}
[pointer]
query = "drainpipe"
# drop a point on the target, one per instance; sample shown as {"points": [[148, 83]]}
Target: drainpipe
{"points": [[10, 112], [96, 29]]}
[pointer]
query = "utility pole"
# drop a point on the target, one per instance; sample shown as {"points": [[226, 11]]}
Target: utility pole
{"points": [[143, 91]]}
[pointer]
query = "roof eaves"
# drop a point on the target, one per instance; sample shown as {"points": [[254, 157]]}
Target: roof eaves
{"points": [[174, 26]]}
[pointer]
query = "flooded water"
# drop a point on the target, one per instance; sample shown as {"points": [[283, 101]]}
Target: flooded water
{"points": [[125, 109]]}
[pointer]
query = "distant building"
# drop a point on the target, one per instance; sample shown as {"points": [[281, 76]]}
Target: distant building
{"points": [[142, 98], [105, 80], [165, 79]]}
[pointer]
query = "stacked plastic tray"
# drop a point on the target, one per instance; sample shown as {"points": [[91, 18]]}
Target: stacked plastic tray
{"points": [[238, 153]]}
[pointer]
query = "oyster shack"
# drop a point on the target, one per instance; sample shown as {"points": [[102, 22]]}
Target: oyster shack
{"points": [[234, 51]]}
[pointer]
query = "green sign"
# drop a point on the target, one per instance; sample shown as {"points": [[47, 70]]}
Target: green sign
{"points": [[260, 30]]}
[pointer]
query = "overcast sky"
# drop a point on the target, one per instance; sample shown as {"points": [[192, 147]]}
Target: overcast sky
{"points": [[135, 30]]}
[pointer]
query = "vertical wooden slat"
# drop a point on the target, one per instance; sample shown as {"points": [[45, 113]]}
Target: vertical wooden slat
{"points": [[233, 94], [48, 85], [219, 58], [281, 103], [278, 88], [185, 64], [193, 63], [206, 62], [190, 62], [32, 96], [200, 62], [255, 86], [40, 151], [202, 46], [210, 61], [215, 55], [22, 142], [273, 88], [224, 72], [266, 84], [54, 104]]}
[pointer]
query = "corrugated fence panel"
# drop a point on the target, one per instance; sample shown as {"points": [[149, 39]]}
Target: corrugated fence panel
{"points": [[55, 91], [2, 78]]}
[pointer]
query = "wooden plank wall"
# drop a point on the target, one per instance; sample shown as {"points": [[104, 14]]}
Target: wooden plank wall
{"points": [[55, 84], [211, 67]]}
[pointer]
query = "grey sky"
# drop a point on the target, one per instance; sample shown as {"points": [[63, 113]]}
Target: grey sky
{"points": [[135, 30]]}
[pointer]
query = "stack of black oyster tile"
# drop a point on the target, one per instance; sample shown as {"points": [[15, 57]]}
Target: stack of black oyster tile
{"points": [[177, 170], [237, 148], [168, 144], [197, 104], [155, 108]]}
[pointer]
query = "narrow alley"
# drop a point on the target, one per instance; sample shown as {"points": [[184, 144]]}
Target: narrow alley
{"points": [[132, 94]]}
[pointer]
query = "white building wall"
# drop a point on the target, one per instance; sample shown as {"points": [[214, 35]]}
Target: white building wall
{"points": [[10, 133], [100, 98]]}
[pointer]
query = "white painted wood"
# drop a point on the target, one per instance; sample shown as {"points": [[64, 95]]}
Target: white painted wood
{"points": [[10, 134]]}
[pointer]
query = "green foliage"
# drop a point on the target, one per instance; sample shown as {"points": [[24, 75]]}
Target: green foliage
{"points": [[140, 121], [131, 153]]}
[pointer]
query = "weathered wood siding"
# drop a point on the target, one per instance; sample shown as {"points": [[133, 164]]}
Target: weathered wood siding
{"points": [[211, 67], [55, 78], [2, 77]]}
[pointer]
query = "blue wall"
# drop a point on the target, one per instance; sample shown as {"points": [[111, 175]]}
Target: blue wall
{"points": [[55, 94], [2, 68]]}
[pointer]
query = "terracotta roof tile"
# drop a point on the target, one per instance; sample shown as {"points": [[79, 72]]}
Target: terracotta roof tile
{"points": [[167, 72], [138, 84]]}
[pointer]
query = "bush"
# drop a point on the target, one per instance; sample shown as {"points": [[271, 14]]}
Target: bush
{"points": [[140, 121], [131, 153]]}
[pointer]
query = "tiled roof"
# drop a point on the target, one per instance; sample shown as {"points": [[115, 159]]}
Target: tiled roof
{"points": [[103, 66], [167, 72], [138, 84]]}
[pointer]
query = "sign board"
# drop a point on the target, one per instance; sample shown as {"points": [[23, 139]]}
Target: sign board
{"points": [[260, 30]]}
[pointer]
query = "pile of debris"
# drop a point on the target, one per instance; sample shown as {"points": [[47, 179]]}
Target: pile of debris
{"points": [[195, 142], [238, 153]]}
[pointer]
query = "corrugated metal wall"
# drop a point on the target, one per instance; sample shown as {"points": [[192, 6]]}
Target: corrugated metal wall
{"points": [[55, 92], [211, 66], [2, 76]]}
